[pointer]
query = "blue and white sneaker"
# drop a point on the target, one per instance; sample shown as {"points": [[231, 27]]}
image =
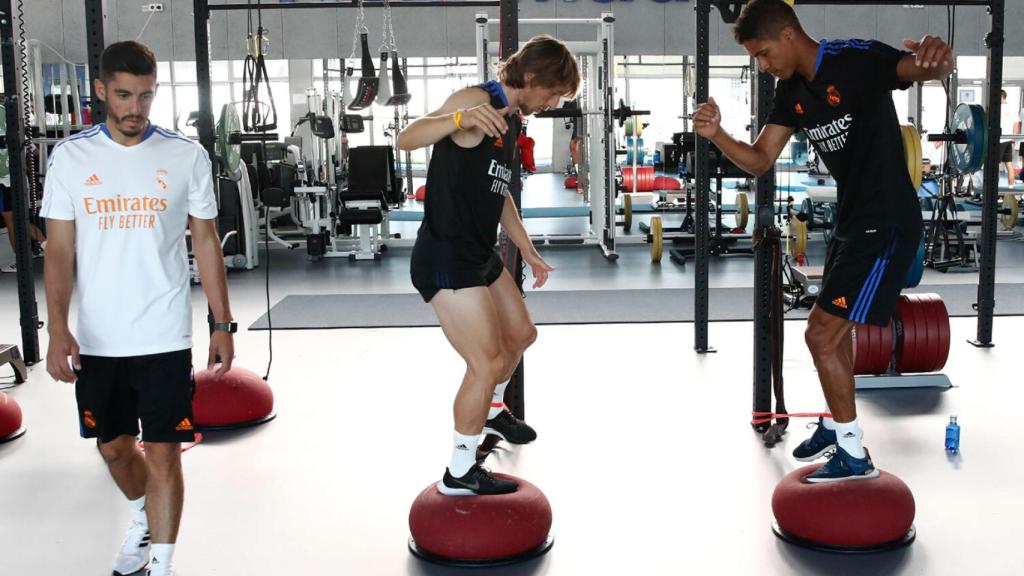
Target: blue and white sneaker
{"points": [[822, 441], [841, 466]]}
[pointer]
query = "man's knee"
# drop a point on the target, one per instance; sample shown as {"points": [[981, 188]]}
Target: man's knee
{"points": [[163, 458], [522, 339], [118, 450], [824, 338]]}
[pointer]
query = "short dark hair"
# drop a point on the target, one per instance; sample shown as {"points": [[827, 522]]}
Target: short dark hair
{"points": [[764, 20], [550, 62], [1002, 94], [128, 56]]}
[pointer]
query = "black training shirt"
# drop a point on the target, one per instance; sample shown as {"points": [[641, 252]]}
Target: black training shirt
{"points": [[466, 189], [848, 115]]}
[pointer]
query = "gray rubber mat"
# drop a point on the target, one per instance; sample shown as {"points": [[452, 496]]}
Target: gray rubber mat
{"points": [[327, 311]]}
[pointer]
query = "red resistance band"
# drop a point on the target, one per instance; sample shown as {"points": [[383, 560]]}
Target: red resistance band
{"points": [[767, 417]]}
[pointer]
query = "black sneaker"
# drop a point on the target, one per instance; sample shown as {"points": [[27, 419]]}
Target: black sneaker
{"points": [[479, 481], [510, 429]]}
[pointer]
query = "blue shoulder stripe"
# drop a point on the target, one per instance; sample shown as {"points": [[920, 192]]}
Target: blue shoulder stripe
{"points": [[80, 136]]}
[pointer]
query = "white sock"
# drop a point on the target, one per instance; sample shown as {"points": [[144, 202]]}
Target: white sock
{"points": [[497, 400], [160, 562], [139, 510], [849, 437], [463, 454], [828, 423]]}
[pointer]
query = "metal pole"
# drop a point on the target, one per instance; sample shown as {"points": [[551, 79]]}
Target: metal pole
{"points": [[606, 76], [918, 105], [763, 88], [515, 394], [95, 16], [204, 124], [703, 184], [29, 313], [76, 96], [990, 193]]}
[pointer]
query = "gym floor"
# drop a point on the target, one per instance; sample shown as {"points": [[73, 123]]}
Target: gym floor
{"points": [[644, 451]]}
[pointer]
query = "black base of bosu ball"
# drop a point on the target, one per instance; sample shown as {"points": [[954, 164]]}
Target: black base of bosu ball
{"points": [[480, 531], [851, 517]]}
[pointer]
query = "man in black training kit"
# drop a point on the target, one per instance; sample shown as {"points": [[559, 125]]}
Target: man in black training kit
{"points": [[455, 266], [839, 93]]}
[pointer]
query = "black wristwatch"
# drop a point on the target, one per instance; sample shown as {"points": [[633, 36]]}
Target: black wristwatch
{"points": [[229, 327]]}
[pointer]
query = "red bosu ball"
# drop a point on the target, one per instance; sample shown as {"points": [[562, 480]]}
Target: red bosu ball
{"points": [[480, 530], [239, 399], [848, 516], [10, 419]]}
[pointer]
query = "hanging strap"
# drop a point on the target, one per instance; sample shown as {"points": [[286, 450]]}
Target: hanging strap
{"points": [[347, 72], [254, 75], [368, 82], [384, 90], [399, 89]]}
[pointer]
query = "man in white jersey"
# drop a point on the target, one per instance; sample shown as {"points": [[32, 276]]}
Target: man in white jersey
{"points": [[118, 199]]}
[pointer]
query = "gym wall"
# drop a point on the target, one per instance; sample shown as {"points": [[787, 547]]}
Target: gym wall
{"points": [[643, 27]]}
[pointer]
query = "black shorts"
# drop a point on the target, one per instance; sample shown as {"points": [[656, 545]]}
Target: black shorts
{"points": [[864, 275], [6, 202], [114, 393], [1006, 151], [429, 280]]}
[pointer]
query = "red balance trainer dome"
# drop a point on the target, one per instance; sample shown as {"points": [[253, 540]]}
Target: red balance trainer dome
{"points": [[10, 419], [240, 398], [480, 530], [850, 516]]}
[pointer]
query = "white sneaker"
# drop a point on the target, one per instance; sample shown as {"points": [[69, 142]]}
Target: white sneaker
{"points": [[11, 268], [134, 553], [168, 572]]}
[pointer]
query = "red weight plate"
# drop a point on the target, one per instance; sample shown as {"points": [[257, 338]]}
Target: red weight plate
{"points": [[902, 336], [921, 321], [926, 349], [876, 349], [942, 315], [906, 346], [861, 352], [647, 175], [627, 179], [934, 330], [915, 362]]}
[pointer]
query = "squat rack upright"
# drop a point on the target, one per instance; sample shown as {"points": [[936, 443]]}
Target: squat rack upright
{"points": [[765, 186]]}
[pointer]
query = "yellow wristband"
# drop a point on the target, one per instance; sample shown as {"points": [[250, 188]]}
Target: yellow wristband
{"points": [[458, 119]]}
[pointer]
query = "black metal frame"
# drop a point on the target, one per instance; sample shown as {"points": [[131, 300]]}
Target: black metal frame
{"points": [[29, 311], [765, 187], [95, 43], [508, 35]]}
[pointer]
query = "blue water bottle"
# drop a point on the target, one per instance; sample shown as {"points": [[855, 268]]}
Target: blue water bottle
{"points": [[952, 436]]}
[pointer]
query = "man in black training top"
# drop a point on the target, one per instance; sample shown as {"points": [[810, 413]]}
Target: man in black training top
{"points": [[839, 93]]}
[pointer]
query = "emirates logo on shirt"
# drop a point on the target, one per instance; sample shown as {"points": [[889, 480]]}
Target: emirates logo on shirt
{"points": [[833, 95]]}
